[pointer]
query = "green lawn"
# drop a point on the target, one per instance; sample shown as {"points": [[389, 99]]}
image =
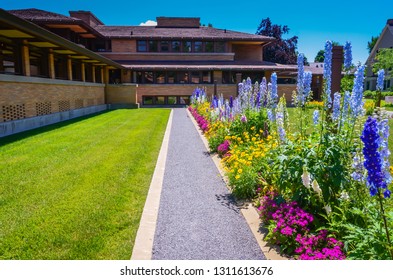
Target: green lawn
{"points": [[76, 190]]}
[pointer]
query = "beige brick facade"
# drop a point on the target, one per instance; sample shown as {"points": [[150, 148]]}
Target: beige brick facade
{"points": [[120, 45], [20, 100]]}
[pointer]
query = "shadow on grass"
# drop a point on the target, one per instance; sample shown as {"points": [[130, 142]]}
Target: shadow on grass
{"points": [[26, 134]]}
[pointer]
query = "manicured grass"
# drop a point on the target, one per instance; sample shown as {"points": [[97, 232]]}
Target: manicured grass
{"points": [[77, 190]]}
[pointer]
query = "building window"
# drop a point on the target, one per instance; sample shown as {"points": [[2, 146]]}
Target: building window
{"points": [[142, 46], [186, 46], [153, 46], [160, 77], [148, 77], [160, 100], [209, 46], [172, 100], [386, 84], [198, 47], [182, 77], [148, 100], [368, 85], [206, 77], [176, 46], [172, 78], [164, 46], [228, 77], [220, 47], [184, 100], [195, 77], [286, 81]]}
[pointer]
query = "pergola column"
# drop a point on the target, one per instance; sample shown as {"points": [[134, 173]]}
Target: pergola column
{"points": [[83, 72], [51, 64], [93, 73], [102, 75], [106, 74], [69, 68], [25, 58]]}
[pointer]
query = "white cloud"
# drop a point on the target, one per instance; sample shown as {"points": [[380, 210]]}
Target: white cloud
{"points": [[148, 23]]}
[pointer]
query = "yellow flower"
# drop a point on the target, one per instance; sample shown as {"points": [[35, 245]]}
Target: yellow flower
{"points": [[253, 128], [253, 139], [240, 171], [237, 177]]}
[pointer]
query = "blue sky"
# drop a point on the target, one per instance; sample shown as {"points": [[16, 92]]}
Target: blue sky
{"points": [[313, 22]]}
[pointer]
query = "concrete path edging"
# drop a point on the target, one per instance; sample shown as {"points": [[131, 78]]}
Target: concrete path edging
{"points": [[143, 245], [247, 209]]}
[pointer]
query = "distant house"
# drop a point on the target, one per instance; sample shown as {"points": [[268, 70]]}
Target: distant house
{"points": [[385, 40]]}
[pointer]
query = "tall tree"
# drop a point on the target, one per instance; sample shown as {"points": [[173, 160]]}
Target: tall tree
{"points": [[321, 54], [371, 43], [282, 50]]}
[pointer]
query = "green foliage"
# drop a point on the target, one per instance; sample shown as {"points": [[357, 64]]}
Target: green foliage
{"points": [[217, 139], [347, 83], [383, 60], [76, 190], [246, 185], [254, 119]]}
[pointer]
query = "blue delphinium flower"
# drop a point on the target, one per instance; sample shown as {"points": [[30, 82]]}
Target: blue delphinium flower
{"points": [[270, 115], [336, 106], [358, 173], [315, 117], [231, 101], [274, 95], [263, 92], [327, 72], [300, 73], [307, 83], [248, 85], [240, 89], [357, 93], [372, 157], [280, 125], [381, 77], [347, 97], [383, 129], [347, 55]]}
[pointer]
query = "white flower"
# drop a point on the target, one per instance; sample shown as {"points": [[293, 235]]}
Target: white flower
{"points": [[344, 196], [328, 209], [316, 187], [306, 179]]}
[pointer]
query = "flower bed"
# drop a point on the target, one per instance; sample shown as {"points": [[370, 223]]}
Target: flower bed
{"points": [[316, 183]]}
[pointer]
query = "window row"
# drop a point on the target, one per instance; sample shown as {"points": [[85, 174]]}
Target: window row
{"points": [[166, 100], [174, 77], [181, 46]]}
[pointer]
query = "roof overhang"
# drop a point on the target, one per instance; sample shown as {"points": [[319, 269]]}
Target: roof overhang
{"points": [[13, 27]]}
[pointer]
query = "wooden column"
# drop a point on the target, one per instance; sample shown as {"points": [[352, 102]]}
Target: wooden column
{"points": [[106, 75], [83, 72], [93, 73], [102, 75], [25, 58], [69, 68], [51, 64]]}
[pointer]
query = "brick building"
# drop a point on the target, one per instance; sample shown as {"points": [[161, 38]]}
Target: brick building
{"points": [[51, 63]]}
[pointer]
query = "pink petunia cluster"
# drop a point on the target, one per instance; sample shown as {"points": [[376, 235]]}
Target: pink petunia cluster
{"points": [[319, 247], [267, 206], [291, 219], [202, 122], [223, 148]]}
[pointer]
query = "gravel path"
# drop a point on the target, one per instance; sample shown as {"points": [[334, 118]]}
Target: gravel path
{"points": [[197, 218]]}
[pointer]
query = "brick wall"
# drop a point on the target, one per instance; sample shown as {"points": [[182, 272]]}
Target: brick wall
{"points": [[29, 98], [120, 94], [123, 45], [247, 52]]}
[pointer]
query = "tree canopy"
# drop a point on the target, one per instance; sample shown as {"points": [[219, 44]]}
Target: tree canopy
{"points": [[371, 43], [383, 60], [321, 54], [282, 50]]}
